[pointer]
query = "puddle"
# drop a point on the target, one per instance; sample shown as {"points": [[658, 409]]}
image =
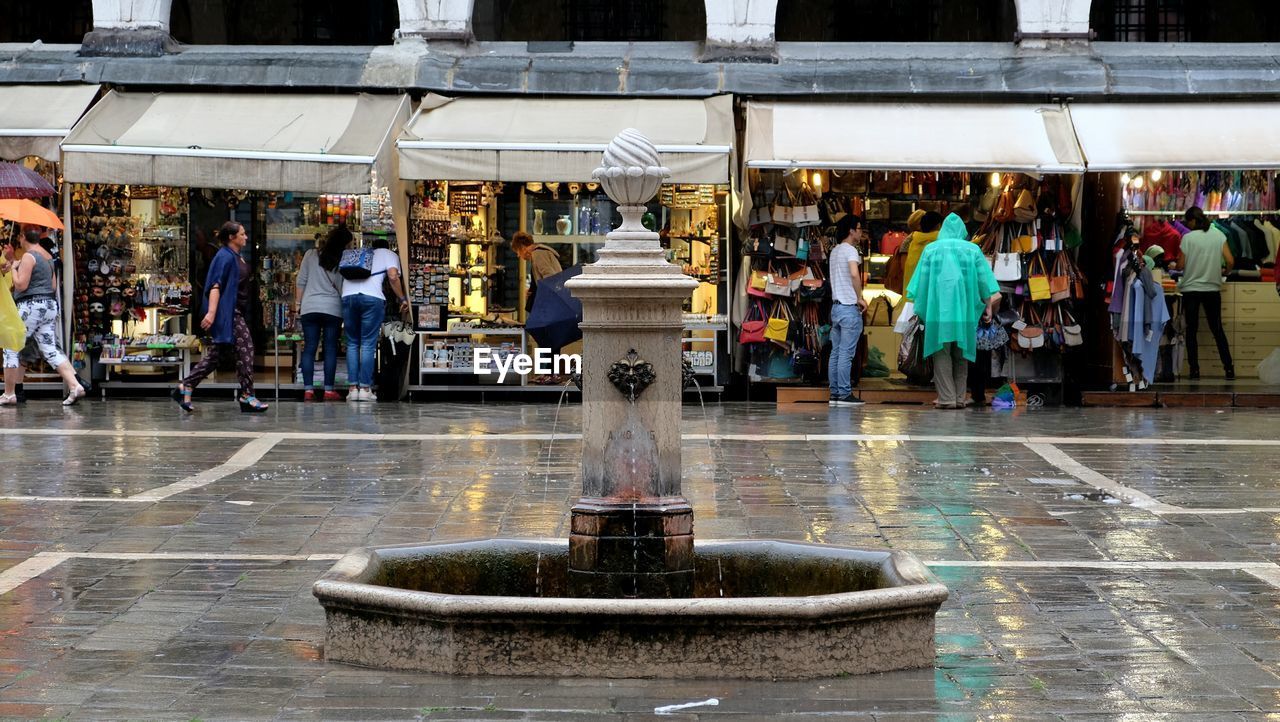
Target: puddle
{"points": [[1101, 496]]}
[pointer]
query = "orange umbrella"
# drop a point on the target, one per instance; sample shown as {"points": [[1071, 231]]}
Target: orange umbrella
{"points": [[25, 211]]}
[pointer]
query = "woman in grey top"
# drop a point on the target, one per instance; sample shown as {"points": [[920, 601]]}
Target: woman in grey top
{"points": [[33, 290], [319, 307]]}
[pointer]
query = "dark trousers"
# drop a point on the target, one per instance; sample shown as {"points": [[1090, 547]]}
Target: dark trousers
{"points": [[242, 349], [313, 326], [979, 373], [1192, 301]]}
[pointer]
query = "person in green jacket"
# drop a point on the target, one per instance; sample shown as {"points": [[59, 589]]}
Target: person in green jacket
{"points": [[952, 288]]}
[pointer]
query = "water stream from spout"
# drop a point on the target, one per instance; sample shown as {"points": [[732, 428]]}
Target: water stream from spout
{"points": [[546, 481]]}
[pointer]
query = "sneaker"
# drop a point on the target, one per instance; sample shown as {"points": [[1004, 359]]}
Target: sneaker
{"points": [[847, 401], [309, 395], [355, 394], [369, 395], [331, 395], [8, 399]]}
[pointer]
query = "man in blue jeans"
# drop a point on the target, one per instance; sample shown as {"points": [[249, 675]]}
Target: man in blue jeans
{"points": [[847, 306]]}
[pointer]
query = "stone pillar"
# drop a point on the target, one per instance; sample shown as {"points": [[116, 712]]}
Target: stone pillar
{"points": [[631, 532], [129, 28], [1040, 21], [741, 30], [435, 20]]}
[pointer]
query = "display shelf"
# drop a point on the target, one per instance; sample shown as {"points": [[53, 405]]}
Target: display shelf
{"points": [[477, 332], [292, 236]]}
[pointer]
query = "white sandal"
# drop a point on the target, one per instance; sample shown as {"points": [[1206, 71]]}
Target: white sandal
{"points": [[8, 399], [76, 394]]}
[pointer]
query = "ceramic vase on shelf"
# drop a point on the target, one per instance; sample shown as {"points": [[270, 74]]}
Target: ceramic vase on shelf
{"points": [[539, 221], [564, 225]]}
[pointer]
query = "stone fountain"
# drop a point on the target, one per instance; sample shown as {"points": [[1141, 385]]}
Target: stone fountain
{"points": [[630, 593]]}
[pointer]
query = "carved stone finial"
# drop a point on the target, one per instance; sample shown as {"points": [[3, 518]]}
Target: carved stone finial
{"points": [[631, 175]]}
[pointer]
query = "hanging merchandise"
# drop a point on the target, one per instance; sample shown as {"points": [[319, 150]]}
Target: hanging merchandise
{"points": [[778, 328], [753, 325], [1037, 280]]}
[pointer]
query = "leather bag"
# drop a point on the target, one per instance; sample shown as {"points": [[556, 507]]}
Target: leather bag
{"points": [[1037, 279], [753, 325], [1024, 209], [777, 284], [1023, 240], [1059, 280], [778, 327], [1031, 335], [757, 283], [1071, 332], [1003, 212], [814, 288]]}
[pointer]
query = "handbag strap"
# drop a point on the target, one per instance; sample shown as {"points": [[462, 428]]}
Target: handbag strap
{"points": [[1035, 261]]}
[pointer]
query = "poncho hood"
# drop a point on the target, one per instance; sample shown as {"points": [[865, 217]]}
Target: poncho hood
{"points": [[953, 229]]}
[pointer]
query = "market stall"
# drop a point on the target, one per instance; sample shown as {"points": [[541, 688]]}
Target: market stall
{"points": [[34, 119], [1153, 161], [808, 164], [157, 173], [488, 168]]}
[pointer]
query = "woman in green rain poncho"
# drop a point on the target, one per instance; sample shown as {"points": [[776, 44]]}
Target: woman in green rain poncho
{"points": [[953, 287]]}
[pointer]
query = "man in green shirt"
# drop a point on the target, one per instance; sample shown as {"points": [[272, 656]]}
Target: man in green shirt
{"points": [[1205, 256]]}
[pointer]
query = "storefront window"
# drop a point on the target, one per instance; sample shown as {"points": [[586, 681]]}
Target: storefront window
{"points": [[283, 22], [1159, 21], [866, 21], [50, 21], [600, 20]]}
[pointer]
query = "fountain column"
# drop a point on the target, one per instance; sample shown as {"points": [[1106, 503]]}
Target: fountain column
{"points": [[632, 531]]}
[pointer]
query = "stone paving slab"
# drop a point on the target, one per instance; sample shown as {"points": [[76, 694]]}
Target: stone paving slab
{"points": [[208, 638]]}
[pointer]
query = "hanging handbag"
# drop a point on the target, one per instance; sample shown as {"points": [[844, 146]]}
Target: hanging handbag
{"points": [[1007, 266], [1071, 332], [778, 327], [777, 284], [1037, 279], [784, 242], [760, 244], [753, 325], [1059, 280], [805, 210], [878, 209], [1024, 240], [873, 315], [1031, 335], [1024, 209], [814, 288], [1003, 212], [783, 210], [757, 283], [802, 246], [896, 270]]}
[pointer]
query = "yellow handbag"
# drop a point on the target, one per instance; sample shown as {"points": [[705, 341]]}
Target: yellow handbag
{"points": [[1024, 209], [1037, 281], [779, 324], [1024, 240]]}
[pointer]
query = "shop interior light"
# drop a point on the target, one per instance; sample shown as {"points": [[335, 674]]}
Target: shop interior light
{"points": [[995, 180], [817, 180], [1155, 175], [1137, 182], [1124, 179]]}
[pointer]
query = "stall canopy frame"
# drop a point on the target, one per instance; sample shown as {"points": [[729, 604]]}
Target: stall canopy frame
{"points": [[271, 142], [1177, 136], [561, 139], [1027, 138], [35, 118]]}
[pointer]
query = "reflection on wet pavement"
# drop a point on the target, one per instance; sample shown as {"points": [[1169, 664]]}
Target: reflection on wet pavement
{"points": [[197, 636]]}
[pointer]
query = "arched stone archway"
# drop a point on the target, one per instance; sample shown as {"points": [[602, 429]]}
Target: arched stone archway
{"points": [[741, 27], [435, 19]]}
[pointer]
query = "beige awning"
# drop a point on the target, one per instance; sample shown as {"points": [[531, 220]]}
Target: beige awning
{"points": [[35, 118], [305, 143], [1178, 136], [561, 139], [912, 136]]}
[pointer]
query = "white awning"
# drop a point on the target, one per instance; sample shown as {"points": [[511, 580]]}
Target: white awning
{"points": [[912, 136], [35, 118], [561, 139], [305, 143], [1178, 136]]}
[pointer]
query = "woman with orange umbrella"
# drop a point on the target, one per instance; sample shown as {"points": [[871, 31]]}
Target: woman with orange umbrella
{"points": [[33, 285]]}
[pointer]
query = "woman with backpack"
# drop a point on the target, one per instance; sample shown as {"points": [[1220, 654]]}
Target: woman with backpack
{"points": [[318, 305], [363, 308], [228, 298]]}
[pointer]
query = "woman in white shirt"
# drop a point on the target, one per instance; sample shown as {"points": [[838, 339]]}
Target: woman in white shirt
{"points": [[363, 308]]}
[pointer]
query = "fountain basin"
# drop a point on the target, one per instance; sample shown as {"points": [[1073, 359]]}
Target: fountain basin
{"points": [[761, 610]]}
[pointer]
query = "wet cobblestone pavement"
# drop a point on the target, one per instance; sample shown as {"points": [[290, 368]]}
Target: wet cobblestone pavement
{"points": [[1103, 563]]}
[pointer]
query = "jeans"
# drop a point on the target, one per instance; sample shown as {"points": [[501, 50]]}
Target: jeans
{"points": [[312, 325], [846, 330], [362, 316], [1192, 301]]}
